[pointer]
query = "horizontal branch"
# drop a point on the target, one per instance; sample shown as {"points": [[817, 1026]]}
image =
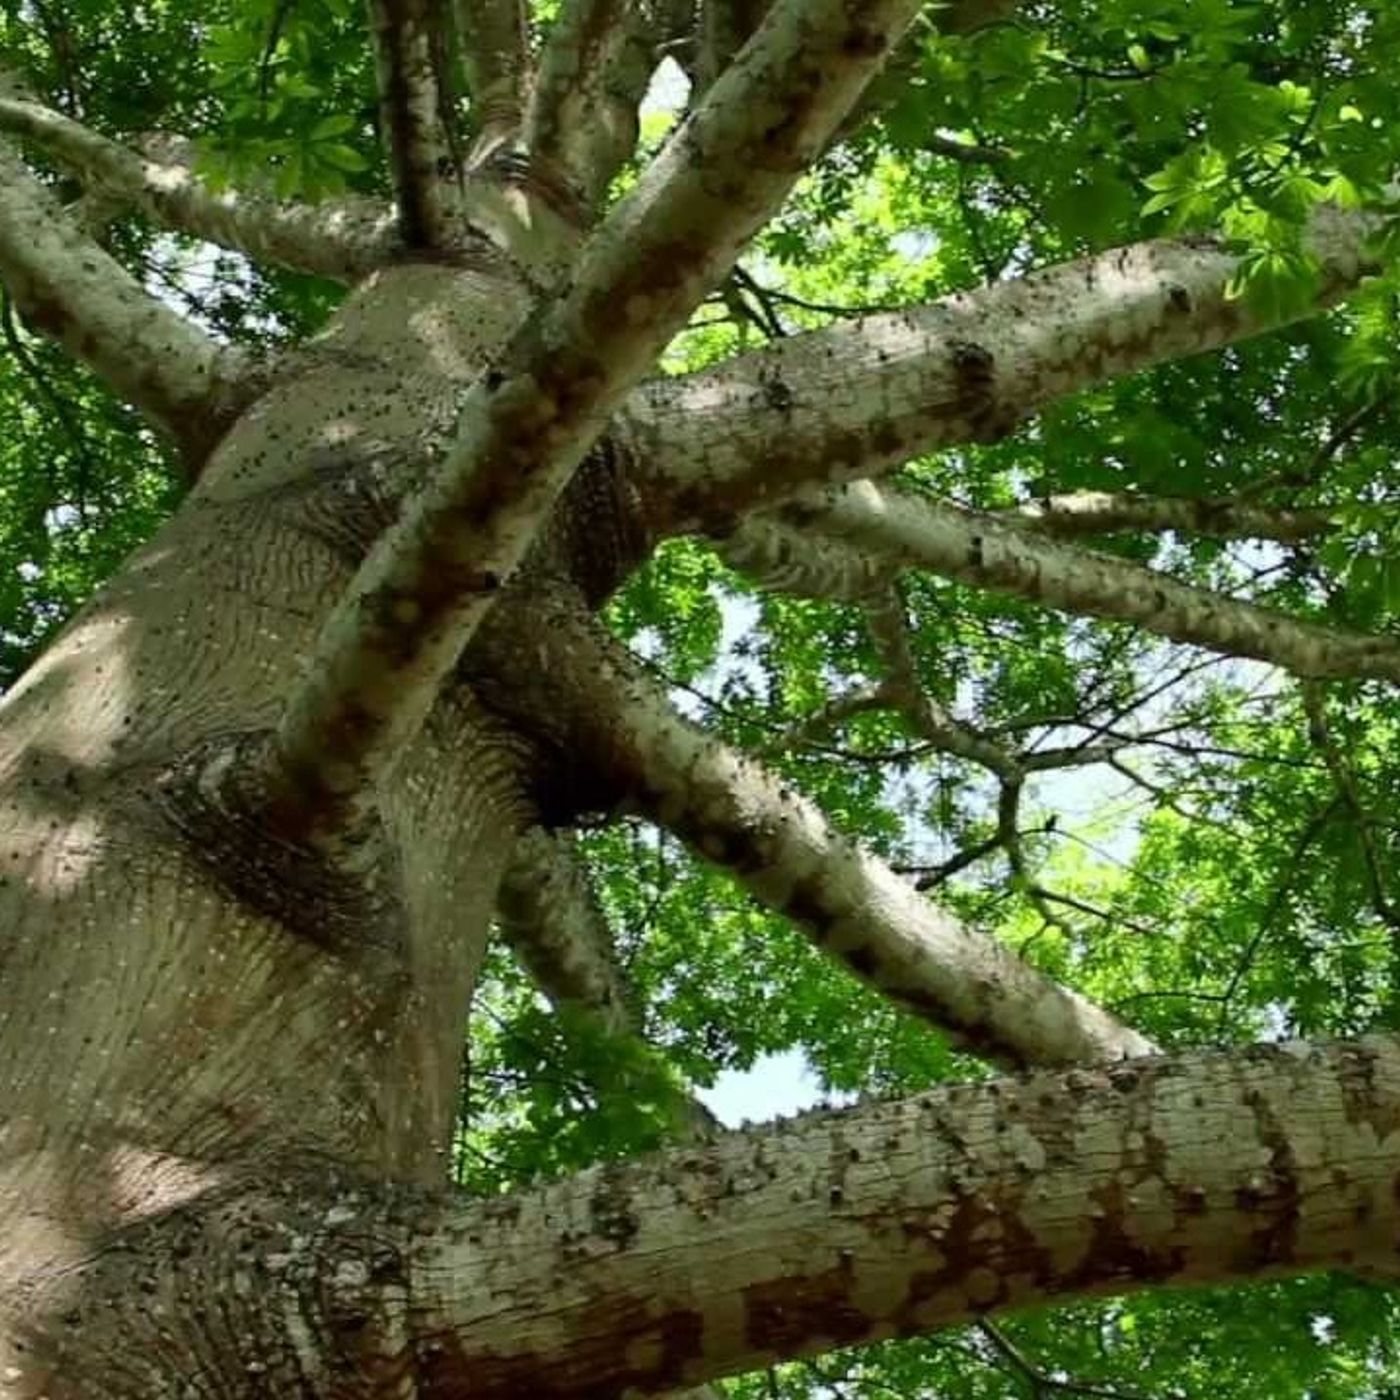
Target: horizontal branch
{"points": [[881, 1221], [431, 578], [854, 399], [905, 531], [735, 812], [69, 288], [1217, 517]]}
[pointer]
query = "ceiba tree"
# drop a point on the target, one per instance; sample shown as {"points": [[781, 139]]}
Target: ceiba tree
{"points": [[264, 798]]}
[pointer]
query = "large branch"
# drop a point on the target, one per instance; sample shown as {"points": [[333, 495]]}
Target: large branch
{"points": [[66, 286], [735, 812], [900, 530], [343, 240], [409, 50], [429, 581], [494, 43], [851, 400], [882, 1221]]}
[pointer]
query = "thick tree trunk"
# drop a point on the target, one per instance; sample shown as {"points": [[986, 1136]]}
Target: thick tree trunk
{"points": [[182, 998]]}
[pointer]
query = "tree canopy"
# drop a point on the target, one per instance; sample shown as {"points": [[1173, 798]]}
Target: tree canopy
{"points": [[1111, 678]]}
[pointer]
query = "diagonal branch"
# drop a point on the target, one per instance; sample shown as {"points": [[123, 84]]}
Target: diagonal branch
{"points": [[343, 240], [430, 579], [409, 46], [493, 41], [70, 289], [904, 531], [854, 399], [735, 812], [549, 914]]}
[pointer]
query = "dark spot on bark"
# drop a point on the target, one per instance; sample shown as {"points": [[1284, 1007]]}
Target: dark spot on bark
{"points": [[610, 1208], [1179, 299], [783, 1314], [975, 557]]}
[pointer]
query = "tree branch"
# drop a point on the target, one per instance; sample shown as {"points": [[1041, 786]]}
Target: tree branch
{"points": [[854, 399], [736, 813], [549, 915], [493, 41], [1219, 517], [408, 55], [70, 289], [582, 116], [431, 578], [890, 1219], [903, 530], [342, 241]]}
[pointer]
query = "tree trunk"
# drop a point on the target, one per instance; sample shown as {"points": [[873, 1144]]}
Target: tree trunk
{"points": [[183, 998]]}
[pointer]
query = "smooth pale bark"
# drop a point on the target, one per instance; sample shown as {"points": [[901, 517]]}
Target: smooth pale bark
{"points": [[903, 531], [342, 240], [572, 122], [852, 400], [882, 1221], [70, 289], [410, 52], [432, 577], [732, 811]]}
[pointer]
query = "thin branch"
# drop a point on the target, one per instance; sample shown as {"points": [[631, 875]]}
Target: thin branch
{"points": [[1343, 776], [493, 43], [549, 913], [900, 529], [342, 240], [889, 628], [430, 579], [851, 400], [550, 916], [1226, 518], [66, 286], [731, 810], [408, 53]]}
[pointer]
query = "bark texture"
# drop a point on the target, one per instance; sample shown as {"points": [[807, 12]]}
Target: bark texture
{"points": [[261, 800]]}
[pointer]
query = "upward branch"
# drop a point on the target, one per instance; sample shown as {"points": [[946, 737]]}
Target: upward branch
{"points": [[429, 581], [409, 45], [493, 42], [70, 289]]}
